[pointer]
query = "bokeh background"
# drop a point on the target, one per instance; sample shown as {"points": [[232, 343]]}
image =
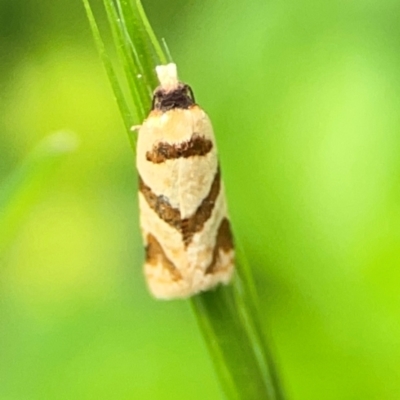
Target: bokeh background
{"points": [[305, 98]]}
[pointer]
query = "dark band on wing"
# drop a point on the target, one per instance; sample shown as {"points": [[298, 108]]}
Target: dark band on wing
{"points": [[224, 241], [161, 206], [196, 146], [172, 216], [155, 255], [196, 222]]}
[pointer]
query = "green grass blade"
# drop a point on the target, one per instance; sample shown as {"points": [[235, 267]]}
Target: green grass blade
{"points": [[228, 316], [25, 185], [127, 115], [247, 294], [136, 86], [140, 43], [234, 309], [233, 351], [156, 45]]}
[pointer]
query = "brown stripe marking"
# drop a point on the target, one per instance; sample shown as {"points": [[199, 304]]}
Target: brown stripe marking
{"points": [[196, 146], [161, 206], [155, 255], [224, 241], [172, 216], [196, 222]]}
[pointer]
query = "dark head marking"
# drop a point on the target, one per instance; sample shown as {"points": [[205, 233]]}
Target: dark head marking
{"points": [[180, 97]]}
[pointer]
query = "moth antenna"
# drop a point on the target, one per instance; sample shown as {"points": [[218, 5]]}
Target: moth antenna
{"points": [[191, 92]]}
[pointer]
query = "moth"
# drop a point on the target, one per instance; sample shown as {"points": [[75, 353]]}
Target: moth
{"points": [[183, 214]]}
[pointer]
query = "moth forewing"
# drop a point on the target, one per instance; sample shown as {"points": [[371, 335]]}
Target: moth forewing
{"points": [[183, 215]]}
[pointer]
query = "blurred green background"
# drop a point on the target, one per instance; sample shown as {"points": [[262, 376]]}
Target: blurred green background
{"points": [[305, 99]]}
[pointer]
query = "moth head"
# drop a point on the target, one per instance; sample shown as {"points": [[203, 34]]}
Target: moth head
{"points": [[171, 93]]}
